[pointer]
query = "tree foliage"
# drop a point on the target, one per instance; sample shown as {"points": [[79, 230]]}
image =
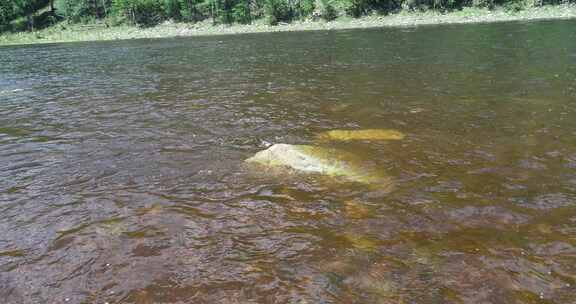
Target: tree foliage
{"points": [[11, 10], [150, 12], [81, 10]]}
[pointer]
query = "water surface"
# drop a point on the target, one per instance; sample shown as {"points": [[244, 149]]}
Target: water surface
{"points": [[121, 176]]}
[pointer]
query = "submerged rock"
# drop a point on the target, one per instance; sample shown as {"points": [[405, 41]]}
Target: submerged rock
{"points": [[326, 161], [362, 242], [368, 134], [356, 210]]}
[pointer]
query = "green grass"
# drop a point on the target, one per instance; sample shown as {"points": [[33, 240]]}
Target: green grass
{"points": [[94, 32]]}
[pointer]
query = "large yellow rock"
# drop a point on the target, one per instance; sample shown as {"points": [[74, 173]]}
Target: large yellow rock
{"points": [[367, 134], [327, 161]]}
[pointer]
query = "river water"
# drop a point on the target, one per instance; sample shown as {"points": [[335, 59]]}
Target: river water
{"points": [[122, 176]]}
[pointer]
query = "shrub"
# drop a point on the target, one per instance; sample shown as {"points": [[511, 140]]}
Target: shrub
{"points": [[241, 13], [172, 9], [483, 3], [7, 12], [140, 12], [80, 10], [354, 8], [189, 10], [303, 8], [515, 6], [325, 10], [147, 12], [277, 11]]}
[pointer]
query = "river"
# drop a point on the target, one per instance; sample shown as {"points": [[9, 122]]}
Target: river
{"points": [[122, 175]]}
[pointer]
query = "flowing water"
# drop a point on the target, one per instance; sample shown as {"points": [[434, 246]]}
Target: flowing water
{"points": [[122, 176]]}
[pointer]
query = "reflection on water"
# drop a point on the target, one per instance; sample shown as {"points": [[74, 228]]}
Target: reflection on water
{"points": [[121, 176]]}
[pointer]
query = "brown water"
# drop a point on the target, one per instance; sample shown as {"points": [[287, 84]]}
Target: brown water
{"points": [[121, 176]]}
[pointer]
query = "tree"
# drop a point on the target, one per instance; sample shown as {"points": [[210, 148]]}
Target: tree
{"points": [[26, 8], [150, 12]]}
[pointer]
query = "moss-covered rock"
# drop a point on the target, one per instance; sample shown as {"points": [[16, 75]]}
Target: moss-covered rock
{"points": [[326, 161], [368, 134]]}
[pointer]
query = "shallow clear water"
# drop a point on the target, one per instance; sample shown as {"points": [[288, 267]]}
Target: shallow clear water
{"points": [[122, 176]]}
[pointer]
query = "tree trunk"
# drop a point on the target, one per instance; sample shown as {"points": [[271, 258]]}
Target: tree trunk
{"points": [[104, 7], [96, 10], [212, 11], [215, 12], [30, 18]]}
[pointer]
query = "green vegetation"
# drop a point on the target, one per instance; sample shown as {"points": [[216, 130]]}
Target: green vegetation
{"points": [[25, 14], [47, 21], [93, 31], [18, 15]]}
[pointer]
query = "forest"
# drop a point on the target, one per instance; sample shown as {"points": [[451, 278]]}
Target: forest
{"points": [[22, 15]]}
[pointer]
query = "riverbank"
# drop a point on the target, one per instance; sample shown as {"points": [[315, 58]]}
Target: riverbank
{"points": [[100, 32]]}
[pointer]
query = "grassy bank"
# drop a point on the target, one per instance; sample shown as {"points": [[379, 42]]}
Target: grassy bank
{"points": [[98, 32]]}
